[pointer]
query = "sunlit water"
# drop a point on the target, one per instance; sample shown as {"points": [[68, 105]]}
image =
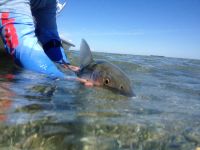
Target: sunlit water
{"points": [[38, 112]]}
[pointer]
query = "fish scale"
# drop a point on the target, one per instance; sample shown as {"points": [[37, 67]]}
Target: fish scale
{"points": [[103, 73]]}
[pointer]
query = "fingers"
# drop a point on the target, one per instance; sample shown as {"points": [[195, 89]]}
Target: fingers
{"points": [[86, 82], [71, 67], [89, 84], [74, 68], [81, 80]]}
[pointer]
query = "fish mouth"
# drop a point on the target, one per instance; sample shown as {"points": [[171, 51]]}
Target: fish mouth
{"points": [[124, 93], [129, 94]]}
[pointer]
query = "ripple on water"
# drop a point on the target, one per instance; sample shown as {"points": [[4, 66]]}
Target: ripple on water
{"points": [[37, 112]]}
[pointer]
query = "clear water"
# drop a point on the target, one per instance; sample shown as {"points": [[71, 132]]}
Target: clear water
{"points": [[37, 112]]}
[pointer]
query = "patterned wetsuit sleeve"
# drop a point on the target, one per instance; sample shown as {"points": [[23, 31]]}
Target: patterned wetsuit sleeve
{"points": [[18, 34], [46, 30]]}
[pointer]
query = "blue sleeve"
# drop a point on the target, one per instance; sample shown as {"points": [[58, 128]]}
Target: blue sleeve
{"points": [[17, 32]]}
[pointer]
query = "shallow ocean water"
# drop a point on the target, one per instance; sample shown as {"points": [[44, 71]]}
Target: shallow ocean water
{"points": [[37, 112]]}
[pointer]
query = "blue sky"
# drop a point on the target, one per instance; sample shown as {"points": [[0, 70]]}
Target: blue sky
{"points": [[141, 27]]}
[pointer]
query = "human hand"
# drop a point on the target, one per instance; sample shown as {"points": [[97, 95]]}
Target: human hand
{"points": [[87, 83], [71, 67]]}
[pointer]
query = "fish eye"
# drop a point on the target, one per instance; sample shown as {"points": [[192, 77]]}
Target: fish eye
{"points": [[121, 87], [107, 81]]}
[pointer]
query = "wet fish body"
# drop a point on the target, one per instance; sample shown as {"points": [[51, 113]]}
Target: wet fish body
{"points": [[103, 73]]}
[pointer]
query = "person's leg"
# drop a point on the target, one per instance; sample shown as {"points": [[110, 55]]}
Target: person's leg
{"points": [[46, 30], [18, 33]]}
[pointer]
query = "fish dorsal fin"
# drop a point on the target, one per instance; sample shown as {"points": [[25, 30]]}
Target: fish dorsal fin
{"points": [[85, 54]]}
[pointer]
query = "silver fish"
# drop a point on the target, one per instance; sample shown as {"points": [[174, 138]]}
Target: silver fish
{"points": [[103, 73]]}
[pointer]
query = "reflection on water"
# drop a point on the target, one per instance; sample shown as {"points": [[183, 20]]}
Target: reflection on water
{"points": [[37, 112], [5, 101]]}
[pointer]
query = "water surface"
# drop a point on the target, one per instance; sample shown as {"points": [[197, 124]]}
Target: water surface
{"points": [[38, 112]]}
